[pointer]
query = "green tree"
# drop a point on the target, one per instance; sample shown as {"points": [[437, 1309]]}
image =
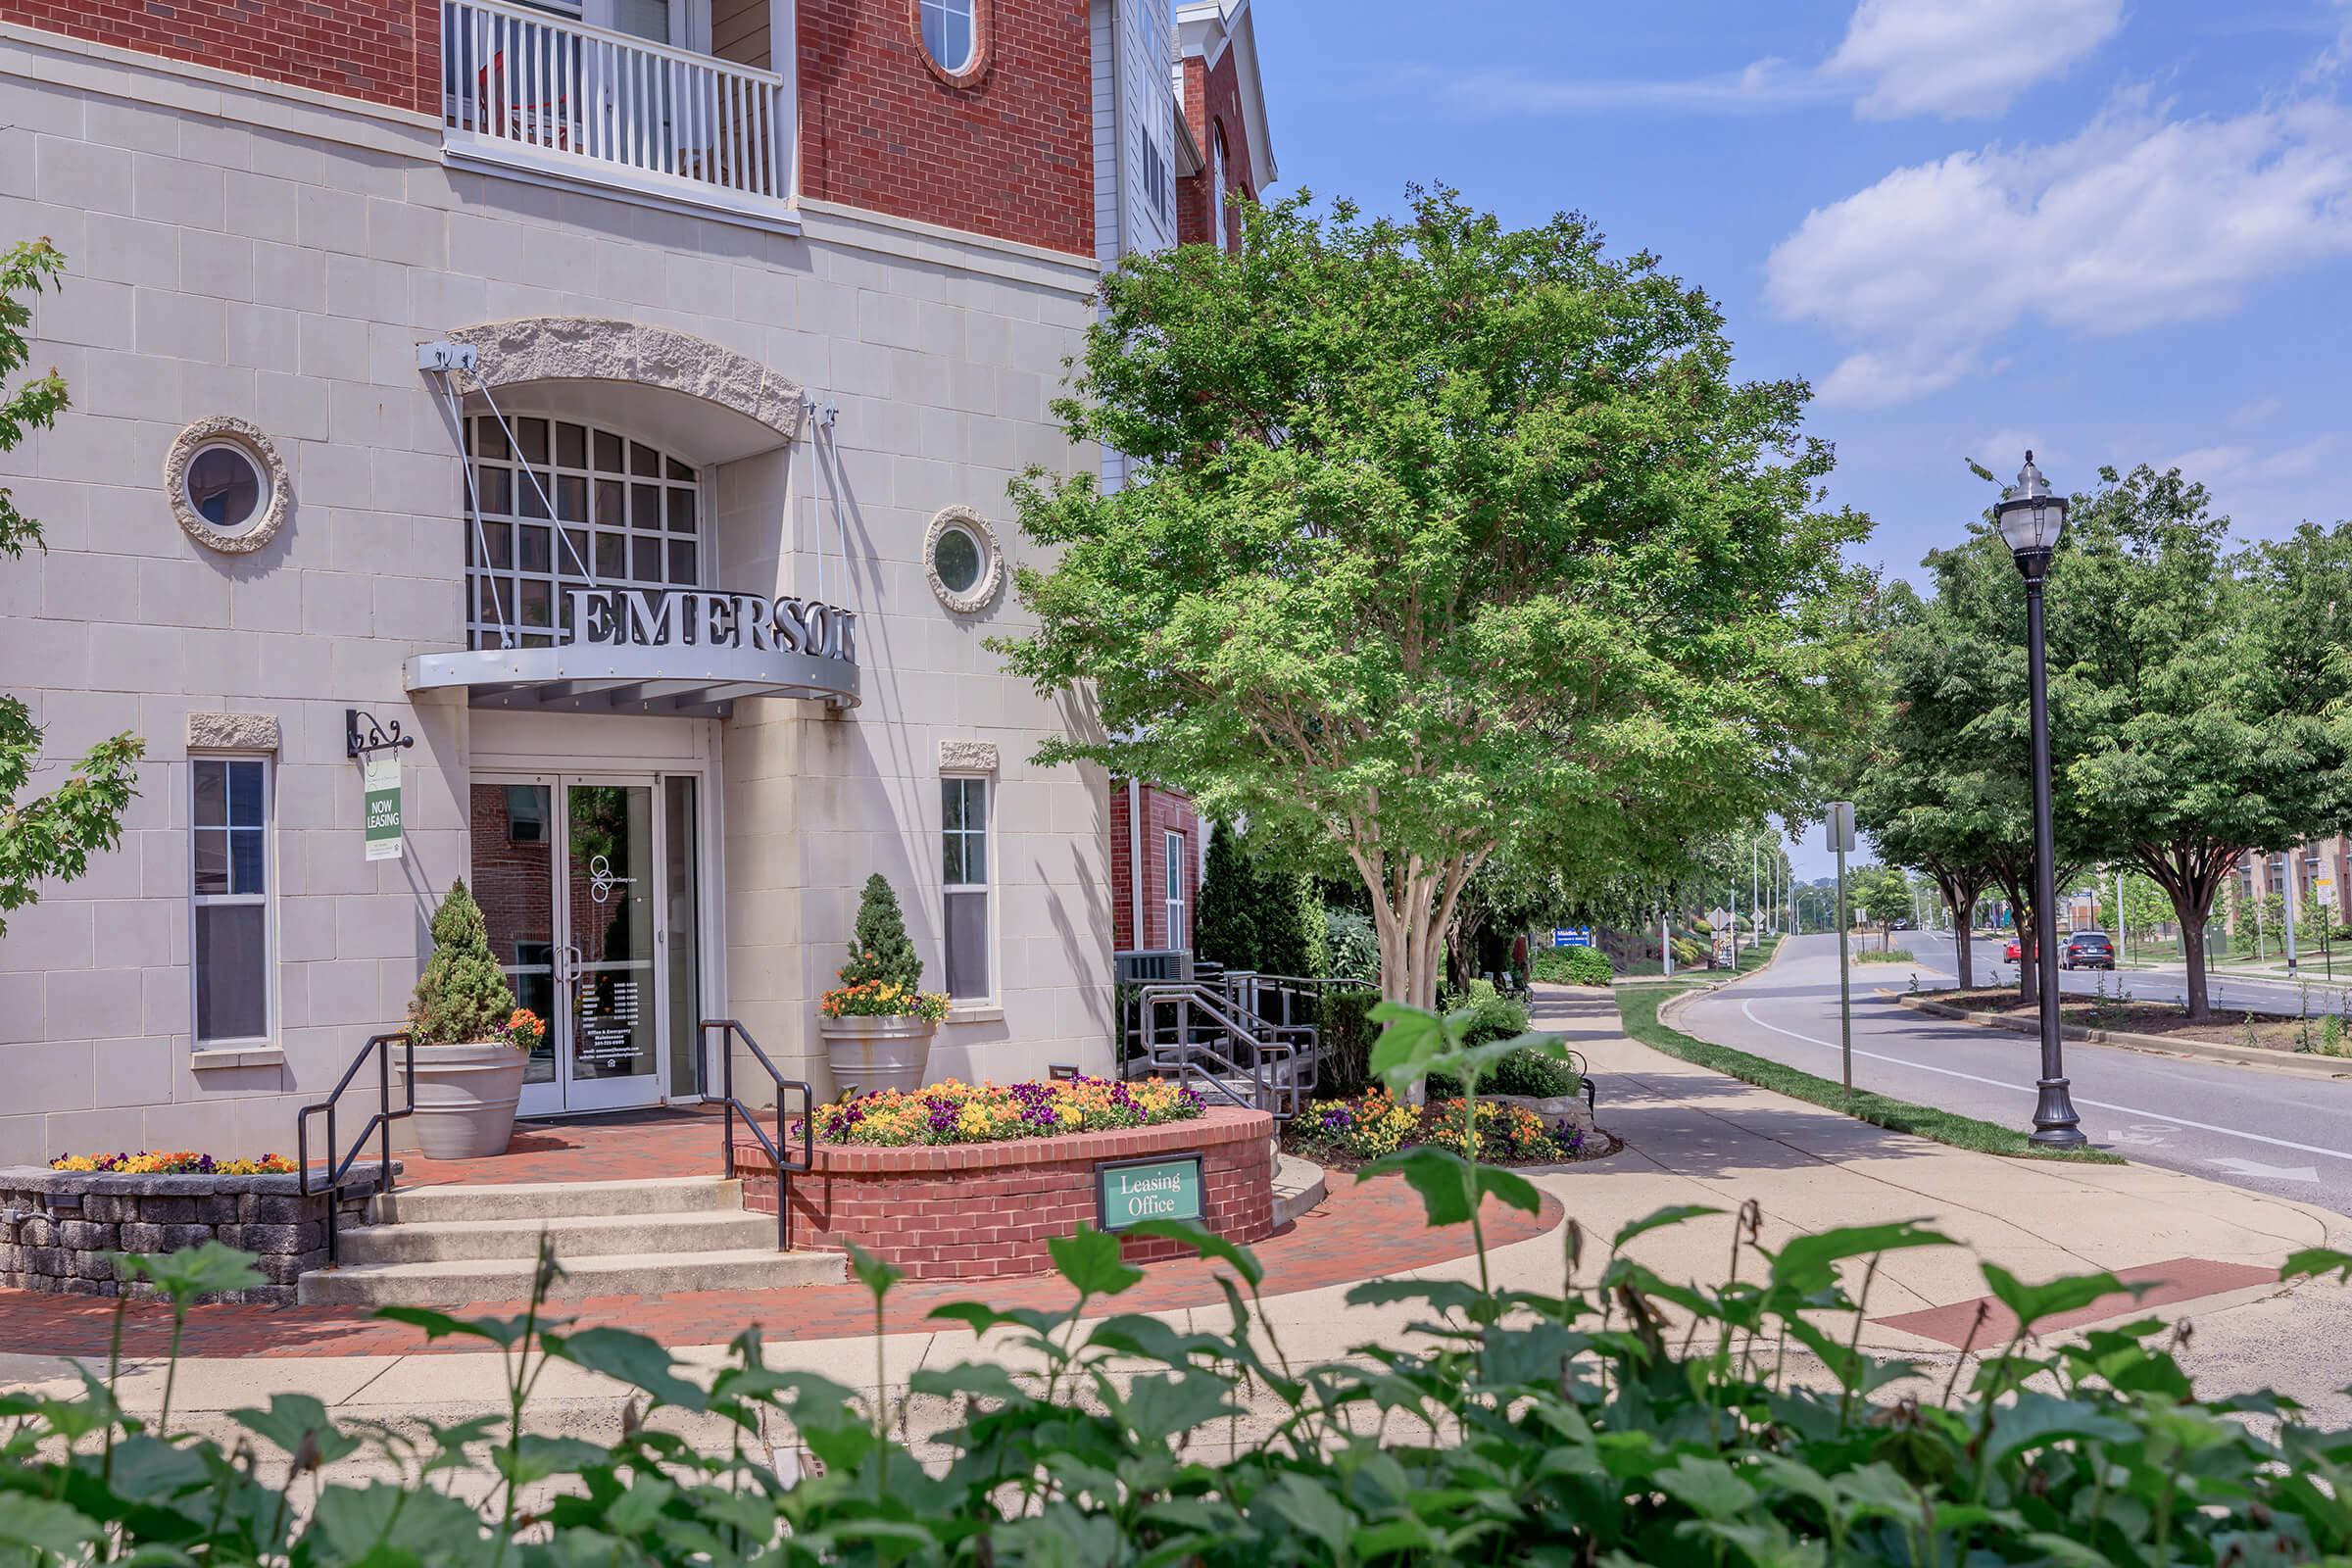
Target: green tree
{"points": [[1917, 792], [1879, 893], [880, 950], [463, 996], [2206, 679], [1225, 931], [1945, 779], [1438, 533], [47, 837]]}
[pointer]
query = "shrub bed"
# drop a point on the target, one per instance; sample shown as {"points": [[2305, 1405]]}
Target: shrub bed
{"points": [[954, 1112]]}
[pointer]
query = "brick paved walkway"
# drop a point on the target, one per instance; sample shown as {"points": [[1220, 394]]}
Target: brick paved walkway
{"points": [[680, 1140], [1361, 1232]]}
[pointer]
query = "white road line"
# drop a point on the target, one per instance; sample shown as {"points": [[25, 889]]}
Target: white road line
{"points": [[1749, 1009]]}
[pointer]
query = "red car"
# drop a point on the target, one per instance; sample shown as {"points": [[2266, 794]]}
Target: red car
{"points": [[2009, 953]]}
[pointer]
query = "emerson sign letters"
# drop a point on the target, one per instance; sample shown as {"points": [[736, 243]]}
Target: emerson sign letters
{"points": [[694, 617]]}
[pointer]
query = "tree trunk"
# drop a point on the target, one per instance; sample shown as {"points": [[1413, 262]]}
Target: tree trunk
{"points": [[1964, 921], [2192, 951]]}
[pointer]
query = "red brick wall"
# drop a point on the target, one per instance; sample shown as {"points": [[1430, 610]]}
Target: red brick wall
{"points": [[978, 1210], [1165, 811], [1212, 101], [385, 51], [1010, 154]]}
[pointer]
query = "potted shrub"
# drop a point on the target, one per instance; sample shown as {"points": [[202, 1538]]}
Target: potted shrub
{"points": [[878, 1022], [472, 1042]]}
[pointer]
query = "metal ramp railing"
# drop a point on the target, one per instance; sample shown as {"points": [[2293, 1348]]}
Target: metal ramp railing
{"points": [[1208, 1038]]}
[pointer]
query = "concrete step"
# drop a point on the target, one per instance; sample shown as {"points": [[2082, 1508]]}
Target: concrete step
{"points": [[662, 1195], [462, 1280], [576, 1236], [1299, 1187]]}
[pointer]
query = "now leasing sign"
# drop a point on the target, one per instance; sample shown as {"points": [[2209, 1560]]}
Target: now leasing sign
{"points": [[379, 787], [1130, 1191]]}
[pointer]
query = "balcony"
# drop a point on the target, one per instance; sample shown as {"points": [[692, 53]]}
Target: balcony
{"points": [[558, 100]]}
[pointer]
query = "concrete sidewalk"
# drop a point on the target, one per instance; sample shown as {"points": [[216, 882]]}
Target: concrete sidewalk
{"points": [[1692, 1137]]}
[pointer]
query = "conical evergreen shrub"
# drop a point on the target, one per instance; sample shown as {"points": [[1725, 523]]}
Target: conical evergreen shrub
{"points": [[1226, 929], [880, 947], [461, 998]]}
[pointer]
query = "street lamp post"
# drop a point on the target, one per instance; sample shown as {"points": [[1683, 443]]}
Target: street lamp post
{"points": [[2031, 520]]}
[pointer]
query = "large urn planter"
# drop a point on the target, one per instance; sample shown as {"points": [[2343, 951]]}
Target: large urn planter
{"points": [[466, 1097], [877, 1053]]}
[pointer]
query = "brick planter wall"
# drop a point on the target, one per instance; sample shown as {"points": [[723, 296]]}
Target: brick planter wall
{"points": [[61, 1231], [978, 1210]]}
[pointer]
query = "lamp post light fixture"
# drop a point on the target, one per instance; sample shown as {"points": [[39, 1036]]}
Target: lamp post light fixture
{"points": [[2031, 519]]}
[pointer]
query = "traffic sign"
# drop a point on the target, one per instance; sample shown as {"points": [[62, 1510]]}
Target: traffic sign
{"points": [[1841, 827]]}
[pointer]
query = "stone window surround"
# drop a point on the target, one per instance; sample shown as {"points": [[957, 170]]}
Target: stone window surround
{"points": [[225, 429], [983, 590]]}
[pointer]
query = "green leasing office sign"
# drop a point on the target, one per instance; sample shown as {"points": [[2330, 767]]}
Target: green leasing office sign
{"points": [[1128, 1191]]}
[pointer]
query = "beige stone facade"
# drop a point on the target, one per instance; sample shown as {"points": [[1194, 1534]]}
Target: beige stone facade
{"points": [[237, 250]]}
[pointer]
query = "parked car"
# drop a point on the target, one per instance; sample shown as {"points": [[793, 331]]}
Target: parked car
{"points": [[2009, 953], [2087, 950]]}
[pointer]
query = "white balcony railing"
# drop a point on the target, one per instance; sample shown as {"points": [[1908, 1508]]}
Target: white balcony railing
{"points": [[529, 89]]}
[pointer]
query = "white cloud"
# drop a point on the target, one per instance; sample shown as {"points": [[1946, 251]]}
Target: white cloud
{"points": [[2216, 465], [1957, 59], [1964, 59], [2137, 222]]}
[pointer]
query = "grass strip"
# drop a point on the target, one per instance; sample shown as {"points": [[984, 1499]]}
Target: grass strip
{"points": [[1640, 1010]]}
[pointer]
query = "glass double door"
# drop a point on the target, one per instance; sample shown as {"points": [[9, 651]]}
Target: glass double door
{"points": [[589, 890]]}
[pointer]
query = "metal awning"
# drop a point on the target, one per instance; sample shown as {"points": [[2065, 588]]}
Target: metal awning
{"points": [[687, 681]]}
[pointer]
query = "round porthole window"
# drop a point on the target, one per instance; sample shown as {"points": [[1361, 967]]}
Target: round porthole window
{"points": [[225, 484], [962, 559]]}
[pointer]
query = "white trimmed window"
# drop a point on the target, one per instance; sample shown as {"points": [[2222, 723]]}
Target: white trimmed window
{"points": [[563, 505], [951, 33], [964, 838], [228, 846], [1171, 862]]}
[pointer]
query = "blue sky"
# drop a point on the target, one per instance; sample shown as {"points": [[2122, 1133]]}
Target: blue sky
{"points": [[2117, 233]]}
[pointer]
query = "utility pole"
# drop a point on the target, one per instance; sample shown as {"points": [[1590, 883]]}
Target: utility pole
{"points": [[1666, 943], [1842, 839]]}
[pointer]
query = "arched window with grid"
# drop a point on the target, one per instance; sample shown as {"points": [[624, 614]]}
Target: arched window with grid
{"points": [[568, 504]]}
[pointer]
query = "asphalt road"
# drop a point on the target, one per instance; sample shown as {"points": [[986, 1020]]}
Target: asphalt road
{"points": [[2224, 987], [2278, 1133]]}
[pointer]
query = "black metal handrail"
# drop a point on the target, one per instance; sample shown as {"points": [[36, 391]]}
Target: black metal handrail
{"points": [[726, 1097], [1283, 1059], [380, 1048]]}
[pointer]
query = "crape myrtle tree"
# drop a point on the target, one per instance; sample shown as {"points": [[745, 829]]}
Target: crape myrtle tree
{"points": [[51, 836], [1436, 530], [1879, 893], [2212, 682]]}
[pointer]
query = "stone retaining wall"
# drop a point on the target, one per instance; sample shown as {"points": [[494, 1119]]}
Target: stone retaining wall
{"points": [[980, 1210], [61, 1231]]}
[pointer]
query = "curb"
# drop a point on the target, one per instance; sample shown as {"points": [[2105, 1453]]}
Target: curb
{"points": [[1672, 1005], [2147, 1045]]}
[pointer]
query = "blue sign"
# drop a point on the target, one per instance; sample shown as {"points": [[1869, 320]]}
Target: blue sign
{"points": [[1572, 936]]}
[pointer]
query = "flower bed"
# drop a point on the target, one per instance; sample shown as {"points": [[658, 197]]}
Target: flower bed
{"points": [[954, 1112], [977, 1209], [177, 1162], [1357, 1129]]}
